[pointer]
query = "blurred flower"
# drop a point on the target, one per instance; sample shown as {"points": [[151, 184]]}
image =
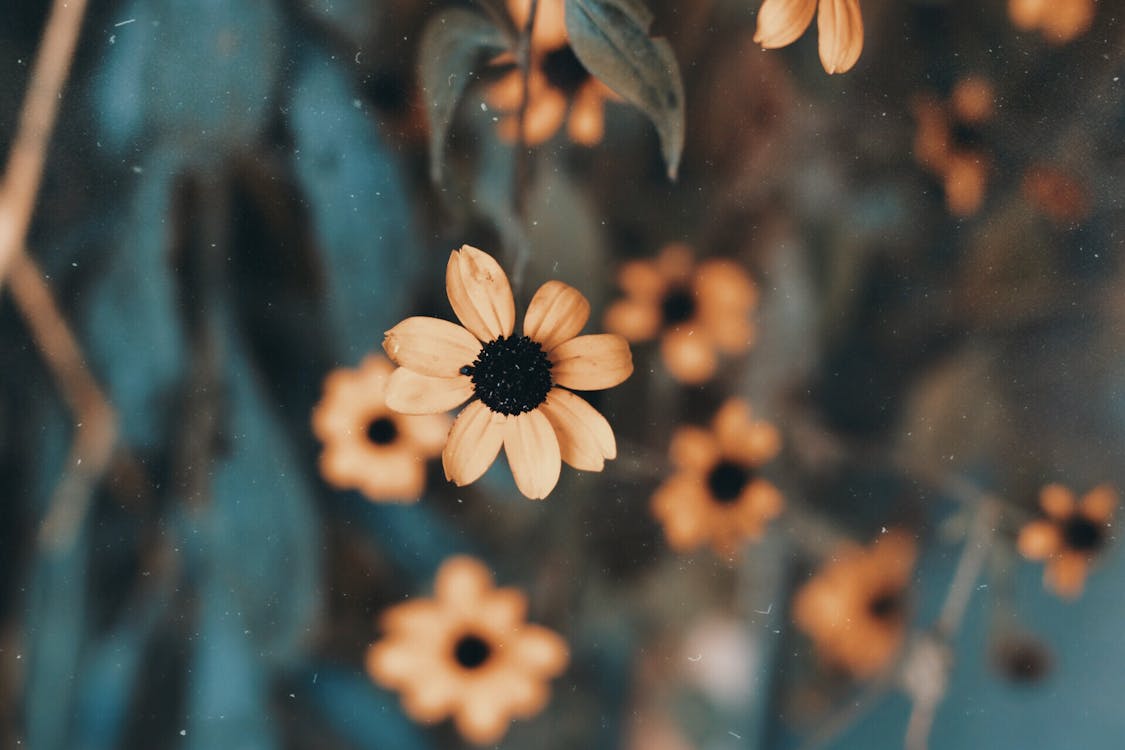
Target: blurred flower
{"points": [[716, 495], [556, 81], [517, 383], [854, 610], [1056, 194], [1022, 658], [1060, 21], [839, 28], [949, 145], [696, 311], [467, 653], [1070, 537], [367, 446]]}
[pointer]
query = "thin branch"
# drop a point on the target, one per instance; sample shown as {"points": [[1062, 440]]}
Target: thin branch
{"points": [[37, 120]]}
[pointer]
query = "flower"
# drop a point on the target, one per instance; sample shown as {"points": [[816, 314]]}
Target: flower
{"points": [[1056, 194], [839, 28], [1070, 537], [948, 142], [716, 494], [517, 384], [467, 653], [556, 79], [367, 446], [697, 311], [1060, 21], [854, 609]]}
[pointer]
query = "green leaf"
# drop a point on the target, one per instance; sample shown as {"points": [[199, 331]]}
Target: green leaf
{"points": [[611, 39], [454, 44]]}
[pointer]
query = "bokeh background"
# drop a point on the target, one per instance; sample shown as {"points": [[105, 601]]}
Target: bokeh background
{"points": [[237, 200]]}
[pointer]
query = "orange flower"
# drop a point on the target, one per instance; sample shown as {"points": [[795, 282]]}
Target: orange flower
{"points": [[854, 610], [557, 81], [1070, 537], [518, 384], [696, 311], [367, 446], [1056, 194], [1060, 21], [947, 142], [716, 494], [467, 653], [839, 28]]}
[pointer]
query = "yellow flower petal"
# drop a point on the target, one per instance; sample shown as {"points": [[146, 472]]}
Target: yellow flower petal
{"points": [[461, 582], [780, 22], [557, 313], [540, 651], [1057, 501], [693, 449], [431, 346], [688, 355], [636, 321], [533, 454], [1066, 574], [474, 442], [409, 392], [1039, 540], [480, 294], [585, 437], [586, 125], [1099, 504], [840, 30], [590, 363]]}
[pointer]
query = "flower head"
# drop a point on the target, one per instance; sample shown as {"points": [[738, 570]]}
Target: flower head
{"points": [[367, 446], [697, 311], [518, 385], [716, 495], [839, 26], [468, 653], [1060, 21], [948, 142], [559, 88], [854, 609], [1057, 194], [1070, 537]]}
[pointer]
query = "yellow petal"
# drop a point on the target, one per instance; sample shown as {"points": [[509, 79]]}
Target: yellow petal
{"points": [[482, 717], [693, 449], [1099, 504], [1039, 540], [689, 356], [540, 651], [533, 454], [546, 111], [585, 437], [479, 292], [431, 346], [586, 125], [556, 314], [409, 392], [635, 320], [474, 442], [462, 582], [590, 363], [780, 22], [1066, 575], [840, 29], [642, 280], [1057, 501]]}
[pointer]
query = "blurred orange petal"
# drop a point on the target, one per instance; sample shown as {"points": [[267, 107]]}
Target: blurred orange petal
{"points": [[1066, 575], [688, 357], [636, 321], [1099, 504], [1057, 501], [1039, 540], [693, 449]]}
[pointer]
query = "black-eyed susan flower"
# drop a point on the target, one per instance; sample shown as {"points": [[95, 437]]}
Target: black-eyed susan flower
{"points": [[697, 311], [559, 88], [717, 496], [518, 385], [1060, 21], [839, 28], [468, 653], [367, 446], [1071, 536], [854, 609], [948, 142]]}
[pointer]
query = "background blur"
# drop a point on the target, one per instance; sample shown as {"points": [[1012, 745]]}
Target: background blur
{"points": [[237, 200]]}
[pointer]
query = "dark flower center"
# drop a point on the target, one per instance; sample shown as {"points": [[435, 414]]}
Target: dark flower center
{"points": [[727, 480], [886, 605], [678, 306], [382, 431], [511, 375], [564, 70], [1081, 534], [966, 137], [1026, 661], [471, 651]]}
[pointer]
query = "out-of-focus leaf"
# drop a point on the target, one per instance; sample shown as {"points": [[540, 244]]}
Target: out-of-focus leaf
{"points": [[360, 712], [611, 39], [263, 533], [132, 324], [454, 44], [361, 217], [56, 626], [228, 703], [138, 93]]}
